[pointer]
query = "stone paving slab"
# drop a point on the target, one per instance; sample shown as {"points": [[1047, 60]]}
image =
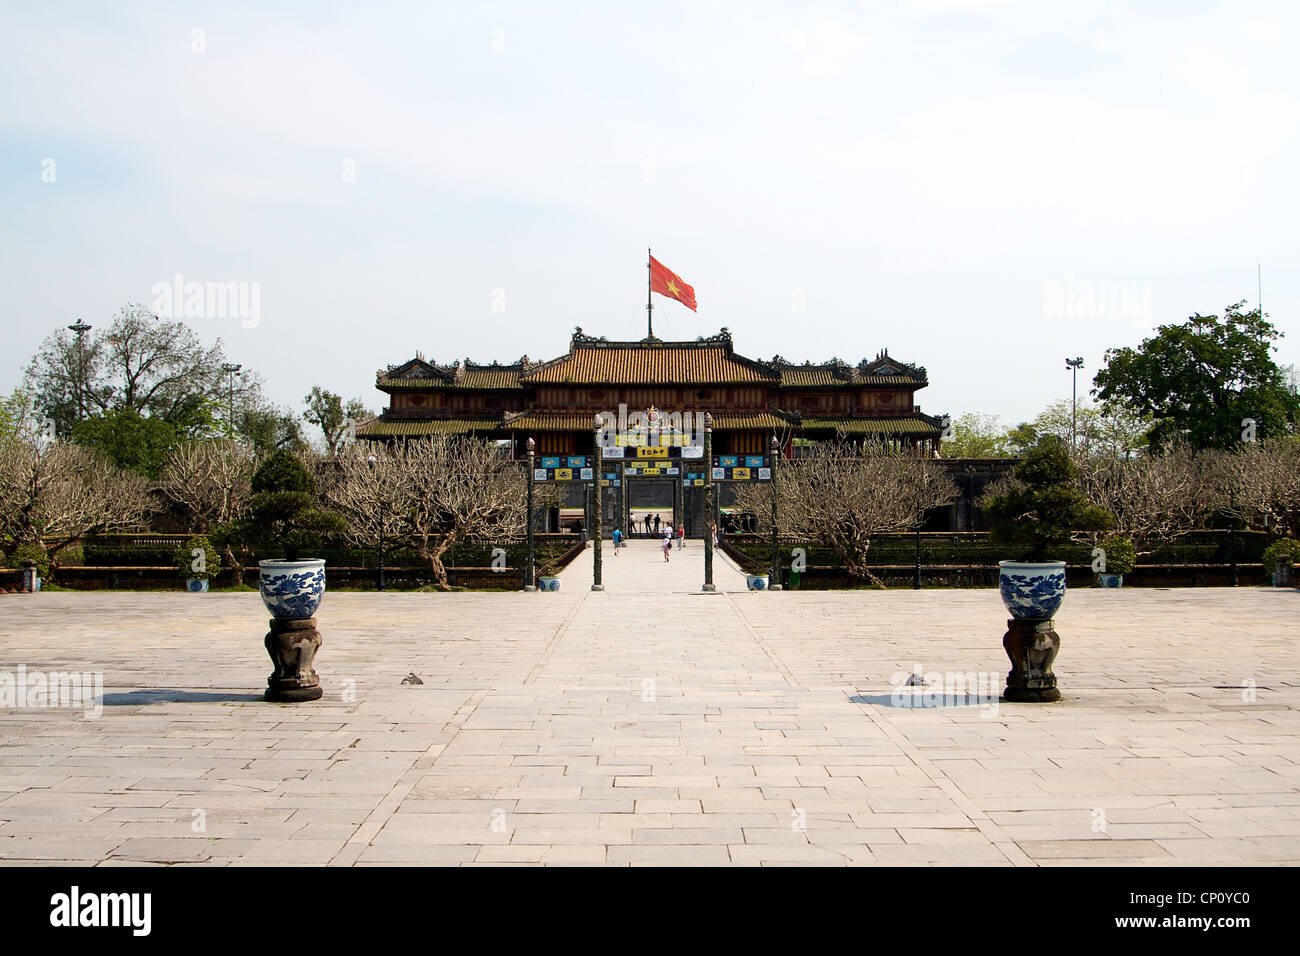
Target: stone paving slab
{"points": [[653, 725]]}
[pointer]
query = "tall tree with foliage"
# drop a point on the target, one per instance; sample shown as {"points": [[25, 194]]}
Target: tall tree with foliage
{"points": [[975, 436], [327, 412], [1203, 379], [137, 362], [128, 439]]}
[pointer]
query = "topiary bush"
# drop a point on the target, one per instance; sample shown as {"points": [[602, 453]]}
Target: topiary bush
{"points": [[1042, 511], [285, 519], [1121, 556], [30, 551], [188, 555], [1282, 546]]}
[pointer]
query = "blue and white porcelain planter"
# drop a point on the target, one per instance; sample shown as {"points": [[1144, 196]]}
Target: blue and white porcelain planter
{"points": [[292, 590], [196, 585], [1110, 580], [756, 582], [1032, 591]]}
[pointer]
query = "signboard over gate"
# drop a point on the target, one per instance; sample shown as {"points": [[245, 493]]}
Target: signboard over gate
{"points": [[563, 468], [741, 468]]}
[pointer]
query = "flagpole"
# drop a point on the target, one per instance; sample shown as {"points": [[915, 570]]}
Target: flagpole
{"points": [[649, 304]]}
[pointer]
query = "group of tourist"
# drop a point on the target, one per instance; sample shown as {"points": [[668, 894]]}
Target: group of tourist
{"points": [[665, 531]]}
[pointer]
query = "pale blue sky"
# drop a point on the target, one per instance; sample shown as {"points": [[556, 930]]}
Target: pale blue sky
{"points": [[921, 176]]}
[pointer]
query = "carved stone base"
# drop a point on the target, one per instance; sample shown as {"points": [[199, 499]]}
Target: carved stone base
{"points": [[1032, 646], [293, 646]]}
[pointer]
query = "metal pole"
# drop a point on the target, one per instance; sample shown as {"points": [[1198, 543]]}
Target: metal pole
{"points": [[774, 577], [530, 584], [597, 506], [230, 369], [81, 328], [649, 304], [916, 581], [708, 502], [1074, 365]]}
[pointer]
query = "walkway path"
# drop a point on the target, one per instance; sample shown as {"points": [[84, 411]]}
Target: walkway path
{"points": [[640, 569]]}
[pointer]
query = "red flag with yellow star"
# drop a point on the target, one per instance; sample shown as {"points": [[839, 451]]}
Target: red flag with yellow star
{"points": [[666, 282]]}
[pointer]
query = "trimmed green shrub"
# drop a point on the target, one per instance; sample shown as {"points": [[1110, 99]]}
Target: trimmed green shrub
{"points": [[1282, 546], [1042, 512], [285, 519], [188, 554], [30, 551], [1121, 558]]}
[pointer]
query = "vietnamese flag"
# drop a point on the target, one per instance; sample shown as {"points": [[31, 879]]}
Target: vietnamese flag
{"points": [[666, 282]]}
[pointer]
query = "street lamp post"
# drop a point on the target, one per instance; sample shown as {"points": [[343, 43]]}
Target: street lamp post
{"points": [[529, 583], [708, 502], [774, 577], [81, 328], [597, 506], [1074, 365], [230, 369], [916, 581], [371, 460]]}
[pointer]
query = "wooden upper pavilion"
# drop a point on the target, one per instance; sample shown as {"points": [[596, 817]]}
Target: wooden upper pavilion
{"points": [[751, 400]]}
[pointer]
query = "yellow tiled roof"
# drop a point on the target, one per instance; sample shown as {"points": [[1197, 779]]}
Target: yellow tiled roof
{"points": [[730, 422], [531, 421], [911, 425], [671, 363], [413, 428], [822, 377], [485, 377]]}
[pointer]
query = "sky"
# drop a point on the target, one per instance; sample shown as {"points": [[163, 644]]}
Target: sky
{"points": [[982, 188]]}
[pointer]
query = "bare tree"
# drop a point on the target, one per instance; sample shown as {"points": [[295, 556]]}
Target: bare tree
{"points": [[372, 488], [1154, 498], [843, 496], [437, 492], [211, 479], [53, 493], [1258, 483]]}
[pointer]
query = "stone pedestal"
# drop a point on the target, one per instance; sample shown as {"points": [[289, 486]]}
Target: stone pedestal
{"points": [[293, 646], [1032, 646]]}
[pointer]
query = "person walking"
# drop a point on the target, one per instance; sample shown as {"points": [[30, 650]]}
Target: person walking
{"points": [[656, 522], [667, 545], [681, 536], [618, 541], [647, 522]]}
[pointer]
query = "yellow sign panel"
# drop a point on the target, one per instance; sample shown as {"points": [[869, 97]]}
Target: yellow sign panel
{"points": [[652, 471], [647, 452], [563, 474], [740, 474]]}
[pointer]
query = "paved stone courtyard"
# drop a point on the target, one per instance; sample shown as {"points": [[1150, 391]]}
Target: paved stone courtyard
{"points": [[652, 724]]}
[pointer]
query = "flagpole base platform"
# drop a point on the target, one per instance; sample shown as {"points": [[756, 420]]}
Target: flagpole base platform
{"points": [[598, 587]]}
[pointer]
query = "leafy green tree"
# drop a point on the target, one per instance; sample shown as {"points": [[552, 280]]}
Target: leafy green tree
{"points": [[1022, 438], [976, 436], [154, 367], [327, 412], [1203, 380], [136, 442], [269, 428], [1096, 429]]}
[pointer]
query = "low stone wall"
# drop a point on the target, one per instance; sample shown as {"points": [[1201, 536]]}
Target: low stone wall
{"points": [[986, 575]]}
